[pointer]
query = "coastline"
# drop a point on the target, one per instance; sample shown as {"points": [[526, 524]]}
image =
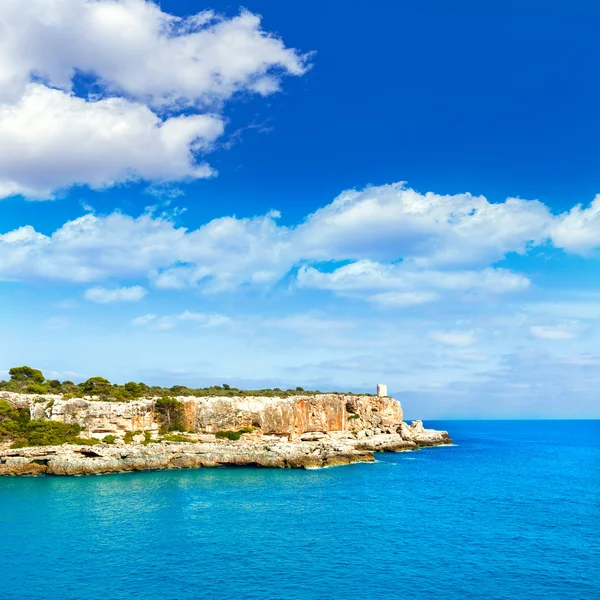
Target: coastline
{"points": [[300, 431], [329, 451]]}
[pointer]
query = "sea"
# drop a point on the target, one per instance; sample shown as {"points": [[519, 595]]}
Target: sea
{"points": [[511, 511]]}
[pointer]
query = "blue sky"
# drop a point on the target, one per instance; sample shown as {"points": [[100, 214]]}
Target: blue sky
{"points": [[297, 194]]}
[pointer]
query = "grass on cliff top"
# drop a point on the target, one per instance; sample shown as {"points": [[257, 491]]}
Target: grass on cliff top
{"points": [[16, 426], [27, 380]]}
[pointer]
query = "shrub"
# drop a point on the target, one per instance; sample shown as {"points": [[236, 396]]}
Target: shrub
{"points": [[37, 388], [83, 441], [354, 417], [7, 411], [128, 437], [228, 435], [109, 439], [233, 435], [41, 433], [177, 437]]}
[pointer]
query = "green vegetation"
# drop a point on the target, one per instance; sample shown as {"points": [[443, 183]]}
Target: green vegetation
{"points": [[27, 380], [81, 441], [109, 439], [233, 435], [26, 374], [354, 417], [177, 437], [170, 414], [17, 427], [128, 437]]}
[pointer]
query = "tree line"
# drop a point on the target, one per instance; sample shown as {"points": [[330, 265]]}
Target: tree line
{"points": [[28, 380]]}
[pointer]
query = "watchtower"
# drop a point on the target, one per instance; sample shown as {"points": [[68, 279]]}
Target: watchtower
{"points": [[381, 389]]}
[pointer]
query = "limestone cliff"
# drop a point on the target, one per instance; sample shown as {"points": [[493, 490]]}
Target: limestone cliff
{"points": [[297, 431], [284, 416]]}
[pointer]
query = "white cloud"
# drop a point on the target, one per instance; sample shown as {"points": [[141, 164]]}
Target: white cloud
{"points": [[230, 252], [138, 57], [400, 299], [51, 140], [91, 248], [454, 338], [135, 49], [553, 332], [400, 285], [143, 319], [578, 230], [169, 322], [204, 319], [387, 222], [220, 255], [120, 294]]}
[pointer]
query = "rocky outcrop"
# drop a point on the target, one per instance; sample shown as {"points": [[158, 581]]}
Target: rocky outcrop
{"points": [[291, 416], [298, 431], [314, 451]]}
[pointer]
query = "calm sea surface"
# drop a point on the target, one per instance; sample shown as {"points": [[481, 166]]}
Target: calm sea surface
{"points": [[512, 512]]}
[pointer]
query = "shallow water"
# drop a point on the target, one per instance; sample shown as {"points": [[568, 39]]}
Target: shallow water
{"points": [[511, 512]]}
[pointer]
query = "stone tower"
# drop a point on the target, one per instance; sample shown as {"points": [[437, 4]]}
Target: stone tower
{"points": [[381, 389]]}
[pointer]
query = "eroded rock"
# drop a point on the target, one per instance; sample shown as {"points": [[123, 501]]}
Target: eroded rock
{"points": [[294, 432]]}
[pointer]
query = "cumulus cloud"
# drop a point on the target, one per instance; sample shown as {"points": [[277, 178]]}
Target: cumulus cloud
{"points": [[136, 49], [146, 68], [120, 294], [90, 248], [386, 222], [220, 255], [230, 252], [51, 140], [578, 230]]}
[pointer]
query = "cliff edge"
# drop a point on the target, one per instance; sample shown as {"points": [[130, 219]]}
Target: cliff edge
{"points": [[308, 431]]}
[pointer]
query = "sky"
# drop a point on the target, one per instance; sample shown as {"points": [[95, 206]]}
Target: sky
{"points": [[319, 194]]}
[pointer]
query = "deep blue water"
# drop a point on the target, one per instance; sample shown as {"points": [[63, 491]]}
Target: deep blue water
{"points": [[511, 512]]}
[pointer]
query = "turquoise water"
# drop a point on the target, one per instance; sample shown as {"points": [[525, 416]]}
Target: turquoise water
{"points": [[511, 512]]}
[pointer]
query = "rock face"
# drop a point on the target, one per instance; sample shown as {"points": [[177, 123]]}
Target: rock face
{"points": [[299, 431], [292, 416]]}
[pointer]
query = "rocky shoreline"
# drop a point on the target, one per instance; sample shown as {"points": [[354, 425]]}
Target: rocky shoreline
{"points": [[302, 431], [314, 451]]}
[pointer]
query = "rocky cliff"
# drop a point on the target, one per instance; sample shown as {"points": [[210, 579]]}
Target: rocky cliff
{"points": [[298, 431], [284, 416]]}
